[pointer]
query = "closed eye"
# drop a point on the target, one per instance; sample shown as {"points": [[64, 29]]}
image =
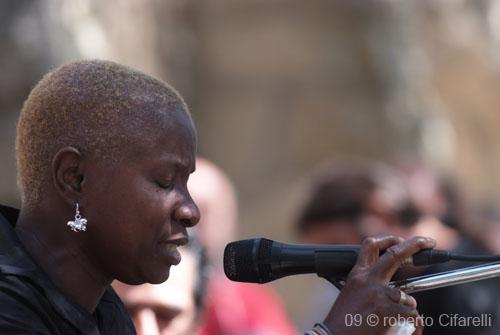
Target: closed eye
{"points": [[165, 185]]}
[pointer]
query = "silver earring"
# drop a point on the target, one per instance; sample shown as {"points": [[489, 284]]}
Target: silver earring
{"points": [[80, 223]]}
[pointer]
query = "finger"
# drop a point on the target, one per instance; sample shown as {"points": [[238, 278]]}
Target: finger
{"points": [[407, 300], [419, 328], [405, 314], [418, 323], [402, 311], [395, 255], [401, 297], [372, 246]]}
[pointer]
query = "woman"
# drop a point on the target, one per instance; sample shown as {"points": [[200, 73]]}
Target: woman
{"points": [[104, 153]]}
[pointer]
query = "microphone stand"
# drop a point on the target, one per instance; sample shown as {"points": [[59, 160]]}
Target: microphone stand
{"points": [[437, 280], [448, 278]]}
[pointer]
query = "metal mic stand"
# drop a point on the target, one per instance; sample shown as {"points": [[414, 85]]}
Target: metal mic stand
{"points": [[437, 280], [448, 278]]}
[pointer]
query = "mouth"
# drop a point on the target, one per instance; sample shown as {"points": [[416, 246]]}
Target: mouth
{"points": [[172, 253], [170, 250], [178, 241]]}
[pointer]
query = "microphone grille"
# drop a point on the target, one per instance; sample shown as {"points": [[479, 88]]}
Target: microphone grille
{"points": [[242, 260], [238, 261], [263, 260]]}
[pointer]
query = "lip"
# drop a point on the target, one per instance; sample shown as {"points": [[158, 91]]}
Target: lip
{"points": [[169, 249], [178, 241]]}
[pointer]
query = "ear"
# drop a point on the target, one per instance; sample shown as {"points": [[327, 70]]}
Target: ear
{"points": [[67, 173]]}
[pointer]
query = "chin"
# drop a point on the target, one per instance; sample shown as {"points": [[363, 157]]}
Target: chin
{"points": [[152, 277], [158, 277]]}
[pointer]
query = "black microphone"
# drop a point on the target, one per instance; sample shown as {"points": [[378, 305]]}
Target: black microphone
{"points": [[261, 260]]}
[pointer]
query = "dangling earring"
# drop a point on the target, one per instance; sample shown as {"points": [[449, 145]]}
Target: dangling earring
{"points": [[80, 223]]}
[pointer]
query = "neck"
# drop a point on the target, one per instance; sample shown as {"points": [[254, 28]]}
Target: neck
{"points": [[61, 254]]}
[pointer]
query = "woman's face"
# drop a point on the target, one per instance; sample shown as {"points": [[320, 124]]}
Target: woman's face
{"points": [[138, 209]]}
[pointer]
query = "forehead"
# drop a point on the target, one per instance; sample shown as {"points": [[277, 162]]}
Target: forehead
{"points": [[169, 138]]}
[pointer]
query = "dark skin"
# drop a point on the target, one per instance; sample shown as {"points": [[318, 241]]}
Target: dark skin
{"points": [[366, 291], [137, 210]]}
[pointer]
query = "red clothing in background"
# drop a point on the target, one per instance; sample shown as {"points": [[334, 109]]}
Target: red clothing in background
{"points": [[243, 309]]}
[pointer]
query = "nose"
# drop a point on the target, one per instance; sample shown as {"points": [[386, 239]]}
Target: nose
{"points": [[146, 323], [187, 213]]}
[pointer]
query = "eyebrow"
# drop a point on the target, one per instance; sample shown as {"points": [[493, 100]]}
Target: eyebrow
{"points": [[174, 160]]}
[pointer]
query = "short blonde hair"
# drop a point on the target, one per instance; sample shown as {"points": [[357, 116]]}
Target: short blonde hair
{"points": [[92, 105]]}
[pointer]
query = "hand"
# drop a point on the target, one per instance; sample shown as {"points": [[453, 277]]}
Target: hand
{"points": [[366, 296]]}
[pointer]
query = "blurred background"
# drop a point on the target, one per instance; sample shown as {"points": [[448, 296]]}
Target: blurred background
{"points": [[277, 87]]}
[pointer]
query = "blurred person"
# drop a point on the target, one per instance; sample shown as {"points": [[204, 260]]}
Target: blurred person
{"points": [[441, 203], [411, 200], [487, 213], [407, 207], [334, 202], [216, 198], [232, 308], [348, 201], [332, 205], [436, 196], [104, 154], [373, 199], [174, 307]]}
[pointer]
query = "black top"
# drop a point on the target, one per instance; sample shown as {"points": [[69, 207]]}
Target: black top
{"points": [[31, 304], [475, 300]]}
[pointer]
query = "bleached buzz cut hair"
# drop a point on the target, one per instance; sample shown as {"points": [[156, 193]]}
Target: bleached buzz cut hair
{"points": [[94, 106]]}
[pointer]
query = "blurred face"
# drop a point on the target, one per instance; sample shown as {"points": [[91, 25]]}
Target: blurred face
{"points": [[215, 197], [139, 208], [167, 308], [335, 232]]}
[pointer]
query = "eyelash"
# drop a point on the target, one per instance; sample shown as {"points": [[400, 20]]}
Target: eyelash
{"points": [[165, 186]]}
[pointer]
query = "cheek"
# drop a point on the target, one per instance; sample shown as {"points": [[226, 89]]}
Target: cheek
{"points": [[136, 213], [123, 210], [146, 216]]}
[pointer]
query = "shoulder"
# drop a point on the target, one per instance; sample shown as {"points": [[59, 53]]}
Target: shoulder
{"points": [[23, 310]]}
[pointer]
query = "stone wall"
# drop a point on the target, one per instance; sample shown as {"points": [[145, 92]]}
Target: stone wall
{"points": [[278, 86]]}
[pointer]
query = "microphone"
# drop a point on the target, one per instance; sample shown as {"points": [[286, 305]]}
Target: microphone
{"points": [[261, 260]]}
